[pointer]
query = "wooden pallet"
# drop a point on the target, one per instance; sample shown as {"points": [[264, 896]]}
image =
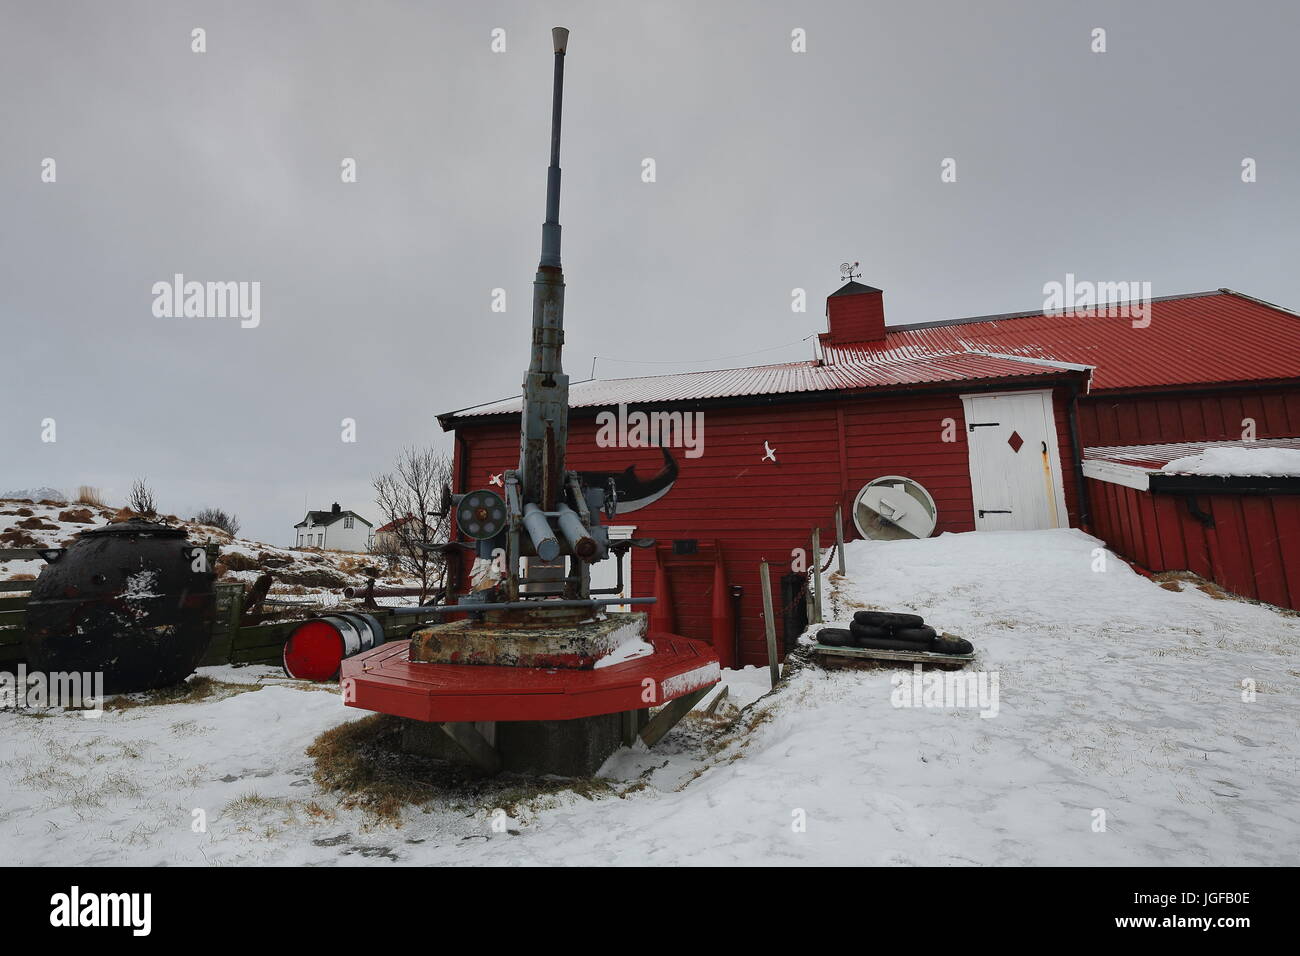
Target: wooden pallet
{"points": [[847, 656]]}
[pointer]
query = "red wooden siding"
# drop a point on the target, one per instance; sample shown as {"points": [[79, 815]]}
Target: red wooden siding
{"points": [[754, 509], [1166, 418], [1246, 551]]}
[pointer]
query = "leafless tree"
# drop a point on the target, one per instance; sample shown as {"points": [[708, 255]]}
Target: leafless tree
{"points": [[141, 499], [217, 518], [409, 497]]}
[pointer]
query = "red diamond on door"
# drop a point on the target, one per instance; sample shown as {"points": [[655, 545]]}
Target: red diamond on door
{"points": [[1015, 441]]}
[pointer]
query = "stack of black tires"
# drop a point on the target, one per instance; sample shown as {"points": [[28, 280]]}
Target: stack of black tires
{"points": [[892, 631]]}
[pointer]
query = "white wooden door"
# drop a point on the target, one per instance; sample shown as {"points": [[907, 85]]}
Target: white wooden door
{"points": [[1015, 466]]}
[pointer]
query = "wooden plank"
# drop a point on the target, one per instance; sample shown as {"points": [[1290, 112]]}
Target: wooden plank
{"points": [[1286, 512], [21, 554], [1265, 546], [14, 618], [261, 634], [670, 714], [719, 698], [769, 625], [817, 574], [230, 606], [267, 654], [13, 603], [877, 653], [1235, 567], [16, 585], [839, 538]]}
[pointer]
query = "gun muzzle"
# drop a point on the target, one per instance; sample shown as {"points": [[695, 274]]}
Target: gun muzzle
{"points": [[539, 530], [575, 533]]}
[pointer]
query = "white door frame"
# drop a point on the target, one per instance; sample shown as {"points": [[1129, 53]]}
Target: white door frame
{"points": [[1053, 449], [619, 532]]}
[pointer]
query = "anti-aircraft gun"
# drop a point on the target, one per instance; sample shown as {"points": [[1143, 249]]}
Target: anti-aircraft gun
{"points": [[547, 514]]}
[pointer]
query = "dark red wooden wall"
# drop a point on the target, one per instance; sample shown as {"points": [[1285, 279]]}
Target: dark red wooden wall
{"points": [[1141, 419], [1252, 550], [751, 508]]}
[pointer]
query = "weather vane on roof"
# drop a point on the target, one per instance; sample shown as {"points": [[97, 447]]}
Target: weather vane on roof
{"points": [[847, 273]]}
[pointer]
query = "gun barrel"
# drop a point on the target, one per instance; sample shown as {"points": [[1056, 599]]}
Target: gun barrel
{"points": [[539, 530], [575, 533], [545, 421]]}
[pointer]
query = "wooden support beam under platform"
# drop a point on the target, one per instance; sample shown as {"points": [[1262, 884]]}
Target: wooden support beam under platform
{"points": [[669, 715], [476, 747]]}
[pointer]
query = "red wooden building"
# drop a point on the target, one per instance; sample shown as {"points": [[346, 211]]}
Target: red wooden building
{"points": [[994, 416]]}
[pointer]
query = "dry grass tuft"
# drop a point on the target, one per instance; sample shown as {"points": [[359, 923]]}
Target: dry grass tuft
{"points": [[190, 691], [363, 761], [1213, 590], [89, 495]]}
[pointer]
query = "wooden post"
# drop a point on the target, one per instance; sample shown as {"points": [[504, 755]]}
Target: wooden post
{"points": [[839, 537], [817, 576], [769, 623]]}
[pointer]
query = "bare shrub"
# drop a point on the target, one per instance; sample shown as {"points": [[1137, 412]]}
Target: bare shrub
{"points": [[141, 499], [409, 499], [218, 518]]}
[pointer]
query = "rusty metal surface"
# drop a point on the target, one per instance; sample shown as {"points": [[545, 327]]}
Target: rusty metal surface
{"points": [[562, 645]]}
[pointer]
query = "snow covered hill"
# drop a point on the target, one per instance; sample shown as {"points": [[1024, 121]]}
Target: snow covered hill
{"points": [[1115, 694], [299, 572]]}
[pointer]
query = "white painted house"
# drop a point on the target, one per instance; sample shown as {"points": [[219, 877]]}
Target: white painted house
{"points": [[333, 530]]}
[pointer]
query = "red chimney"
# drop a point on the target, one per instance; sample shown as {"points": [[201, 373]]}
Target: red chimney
{"points": [[855, 313]]}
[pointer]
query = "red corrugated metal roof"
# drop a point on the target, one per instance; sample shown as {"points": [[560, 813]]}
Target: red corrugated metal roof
{"points": [[1202, 339], [785, 379]]}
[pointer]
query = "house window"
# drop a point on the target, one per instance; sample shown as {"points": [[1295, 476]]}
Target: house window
{"points": [[347, 522]]}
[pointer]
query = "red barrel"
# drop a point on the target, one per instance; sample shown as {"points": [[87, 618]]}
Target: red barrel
{"points": [[316, 648]]}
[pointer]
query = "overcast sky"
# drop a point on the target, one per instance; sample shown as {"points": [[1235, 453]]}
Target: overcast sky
{"points": [[772, 167]]}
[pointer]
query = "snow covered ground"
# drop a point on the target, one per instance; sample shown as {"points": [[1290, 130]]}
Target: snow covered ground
{"points": [[1115, 695]]}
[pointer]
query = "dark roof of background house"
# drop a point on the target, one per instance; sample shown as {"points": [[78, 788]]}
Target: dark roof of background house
{"points": [[329, 517]]}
